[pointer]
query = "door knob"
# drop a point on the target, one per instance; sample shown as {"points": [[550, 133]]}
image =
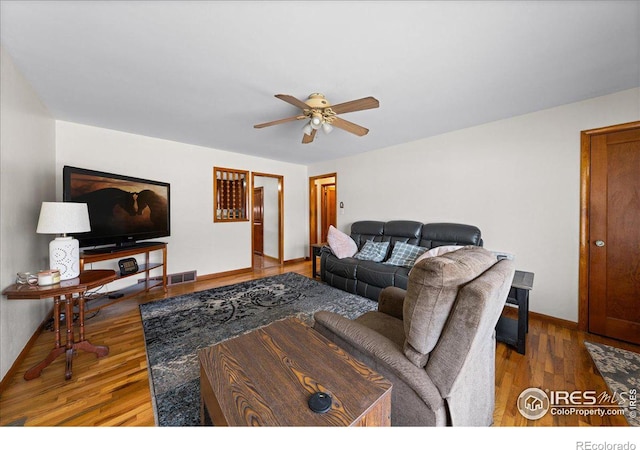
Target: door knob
{"points": [[599, 243]]}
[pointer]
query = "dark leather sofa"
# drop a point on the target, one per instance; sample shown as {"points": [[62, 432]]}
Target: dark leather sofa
{"points": [[368, 278]]}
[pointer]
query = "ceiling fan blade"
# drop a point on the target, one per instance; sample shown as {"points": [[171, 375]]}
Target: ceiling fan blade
{"points": [[356, 105], [277, 122], [307, 139], [292, 101], [349, 126]]}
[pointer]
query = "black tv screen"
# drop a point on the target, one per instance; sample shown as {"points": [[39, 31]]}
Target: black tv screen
{"points": [[122, 209]]}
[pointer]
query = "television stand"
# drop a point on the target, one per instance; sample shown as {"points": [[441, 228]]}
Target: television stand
{"points": [[119, 248], [100, 301]]}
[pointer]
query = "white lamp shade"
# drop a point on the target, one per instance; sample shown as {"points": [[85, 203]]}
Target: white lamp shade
{"points": [[307, 129], [316, 121], [63, 217]]}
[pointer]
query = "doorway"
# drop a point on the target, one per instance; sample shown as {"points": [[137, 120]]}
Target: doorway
{"points": [[322, 207], [609, 286], [327, 208], [267, 220], [258, 220]]}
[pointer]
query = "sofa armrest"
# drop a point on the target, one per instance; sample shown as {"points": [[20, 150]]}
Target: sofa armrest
{"points": [[368, 345], [326, 249], [325, 252], [391, 300]]}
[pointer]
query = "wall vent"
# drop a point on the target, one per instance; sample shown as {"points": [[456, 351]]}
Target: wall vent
{"points": [[177, 278]]}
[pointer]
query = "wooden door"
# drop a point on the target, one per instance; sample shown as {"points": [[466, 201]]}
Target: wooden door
{"points": [[613, 244], [328, 209], [315, 207], [258, 220]]}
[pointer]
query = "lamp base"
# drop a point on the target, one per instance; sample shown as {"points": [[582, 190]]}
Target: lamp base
{"points": [[64, 255]]}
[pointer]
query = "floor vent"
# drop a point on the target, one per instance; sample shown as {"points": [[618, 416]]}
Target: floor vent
{"points": [[177, 278]]}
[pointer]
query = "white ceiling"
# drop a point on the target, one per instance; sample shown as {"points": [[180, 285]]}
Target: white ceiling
{"points": [[205, 72]]}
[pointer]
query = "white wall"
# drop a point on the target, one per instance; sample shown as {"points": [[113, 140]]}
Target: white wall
{"points": [[27, 178], [196, 242], [517, 179], [270, 219]]}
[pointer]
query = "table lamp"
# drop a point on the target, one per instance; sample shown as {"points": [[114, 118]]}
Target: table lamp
{"points": [[62, 218]]}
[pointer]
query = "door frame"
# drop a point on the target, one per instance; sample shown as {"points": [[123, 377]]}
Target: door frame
{"points": [[280, 179], [585, 188], [313, 207]]}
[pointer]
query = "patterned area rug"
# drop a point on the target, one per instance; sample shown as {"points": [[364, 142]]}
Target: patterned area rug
{"points": [[176, 328], [621, 371]]}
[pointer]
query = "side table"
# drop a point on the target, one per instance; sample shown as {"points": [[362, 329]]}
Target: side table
{"points": [[512, 331], [67, 292], [315, 253]]}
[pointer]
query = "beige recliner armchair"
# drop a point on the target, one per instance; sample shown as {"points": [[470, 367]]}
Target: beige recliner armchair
{"points": [[435, 341]]}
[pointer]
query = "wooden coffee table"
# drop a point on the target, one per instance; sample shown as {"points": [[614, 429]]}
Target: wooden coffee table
{"points": [[265, 378]]}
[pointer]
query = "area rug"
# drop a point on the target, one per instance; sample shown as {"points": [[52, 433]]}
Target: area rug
{"points": [[176, 328], [621, 371]]}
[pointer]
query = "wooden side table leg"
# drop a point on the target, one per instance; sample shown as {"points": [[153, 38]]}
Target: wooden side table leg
{"points": [[164, 269], [56, 320], [34, 372], [81, 317], [522, 298], [313, 264], [83, 344], [69, 347]]}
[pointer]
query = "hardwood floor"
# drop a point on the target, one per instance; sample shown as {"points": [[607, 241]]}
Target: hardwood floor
{"points": [[114, 391], [264, 262]]}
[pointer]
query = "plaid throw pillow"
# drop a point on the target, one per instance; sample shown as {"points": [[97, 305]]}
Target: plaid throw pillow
{"points": [[372, 251], [404, 254]]}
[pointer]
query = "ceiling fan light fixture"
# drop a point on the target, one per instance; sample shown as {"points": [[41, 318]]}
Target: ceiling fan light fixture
{"points": [[316, 120], [318, 113]]}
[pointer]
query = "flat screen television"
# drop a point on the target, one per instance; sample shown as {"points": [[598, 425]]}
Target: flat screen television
{"points": [[122, 209]]}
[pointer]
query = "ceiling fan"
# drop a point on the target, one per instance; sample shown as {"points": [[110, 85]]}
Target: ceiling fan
{"points": [[321, 114]]}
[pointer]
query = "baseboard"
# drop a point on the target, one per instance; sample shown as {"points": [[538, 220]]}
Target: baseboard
{"points": [[23, 354], [512, 311], [213, 276], [295, 261], [554, 320]]}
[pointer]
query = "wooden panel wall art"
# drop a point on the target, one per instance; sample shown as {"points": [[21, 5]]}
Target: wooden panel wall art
{"points": [[230, 195]]}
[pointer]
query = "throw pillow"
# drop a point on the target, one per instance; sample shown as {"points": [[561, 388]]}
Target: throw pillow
{"points": [[340, 243], [437, 251], [373, 251], [404, 255]]}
